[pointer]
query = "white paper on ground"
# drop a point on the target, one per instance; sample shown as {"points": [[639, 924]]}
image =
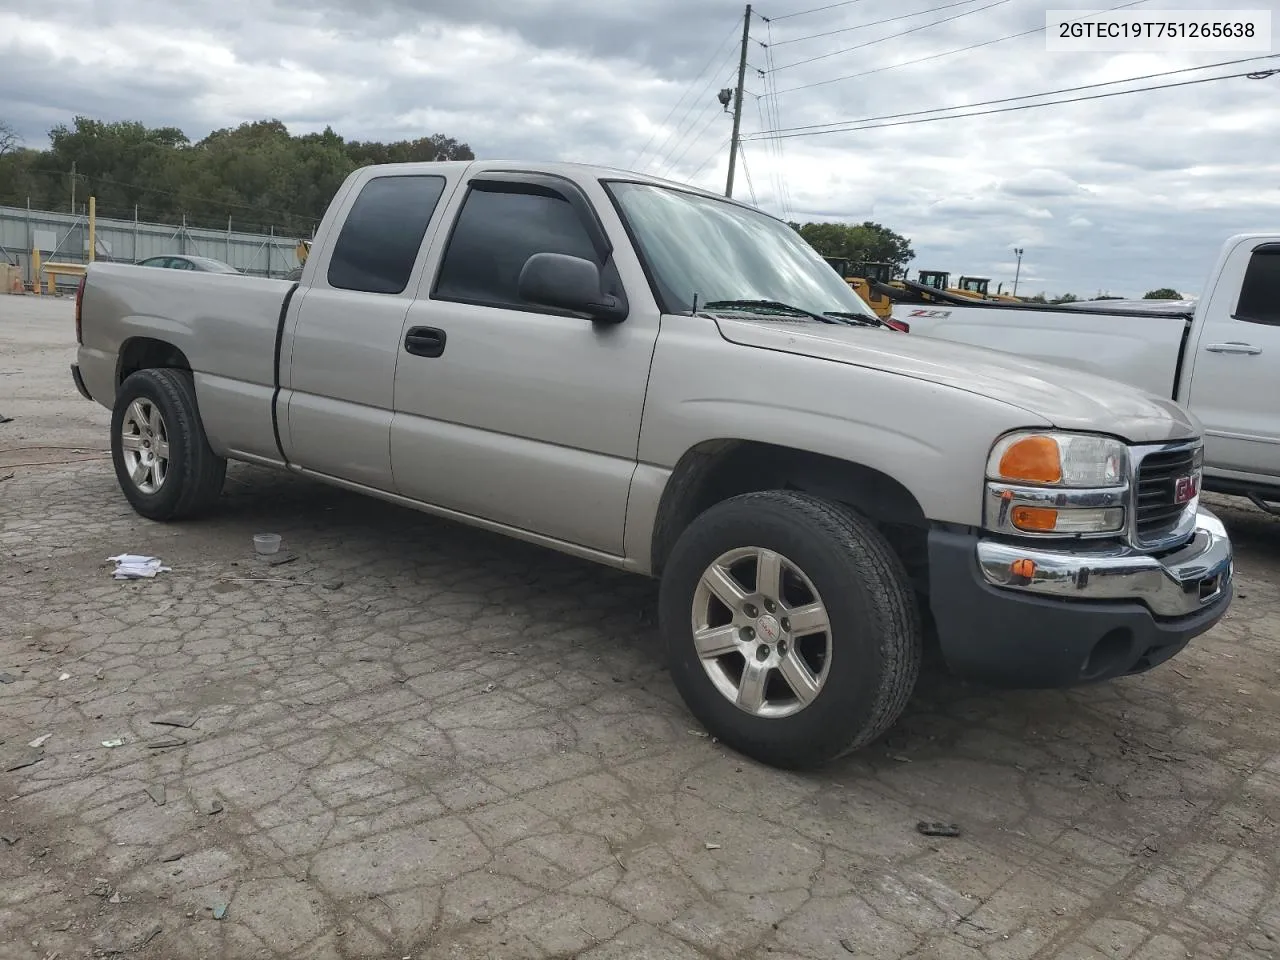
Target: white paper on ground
{"points": [[131, 566]]}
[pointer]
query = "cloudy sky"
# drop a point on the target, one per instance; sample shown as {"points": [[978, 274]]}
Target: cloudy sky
{"points": [[1118, 195]]}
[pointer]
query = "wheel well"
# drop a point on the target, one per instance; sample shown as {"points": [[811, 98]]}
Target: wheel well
{"points": [[719, 469], [144, 353]]}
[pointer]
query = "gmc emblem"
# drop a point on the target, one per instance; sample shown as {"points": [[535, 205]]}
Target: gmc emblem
{"points": [[1185, 489]]}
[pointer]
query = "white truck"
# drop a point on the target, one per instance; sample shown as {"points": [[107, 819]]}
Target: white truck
{"points": [[1219, 356], [668, 382]]}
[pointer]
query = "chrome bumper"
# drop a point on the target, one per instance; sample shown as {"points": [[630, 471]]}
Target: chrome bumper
{"points": [[1174, 585]]}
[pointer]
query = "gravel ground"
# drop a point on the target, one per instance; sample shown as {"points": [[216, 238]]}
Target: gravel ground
{"points": [[419, 740]]}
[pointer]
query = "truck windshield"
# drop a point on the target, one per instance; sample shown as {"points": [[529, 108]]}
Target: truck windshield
{"points": [[715, 250]]}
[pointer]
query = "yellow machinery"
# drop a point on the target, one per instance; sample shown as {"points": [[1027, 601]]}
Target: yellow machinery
{"points": [[302, 249], [865, 281]]}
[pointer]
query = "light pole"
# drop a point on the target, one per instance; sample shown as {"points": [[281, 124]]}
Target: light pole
{"points": [[1018, 271]]}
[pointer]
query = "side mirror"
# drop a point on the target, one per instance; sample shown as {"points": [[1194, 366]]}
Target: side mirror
{"points": [[569, 283]]}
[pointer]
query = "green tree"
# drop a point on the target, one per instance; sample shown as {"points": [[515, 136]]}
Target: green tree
{"points": [[1066, 298], [866, 242], [1162, 293], [257, 174]]}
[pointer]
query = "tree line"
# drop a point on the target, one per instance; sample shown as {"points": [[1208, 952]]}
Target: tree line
{"points": [[257, 174], [260, 176]]}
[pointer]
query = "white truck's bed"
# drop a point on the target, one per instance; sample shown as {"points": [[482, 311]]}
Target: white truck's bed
{"points": [[1141, 349]]}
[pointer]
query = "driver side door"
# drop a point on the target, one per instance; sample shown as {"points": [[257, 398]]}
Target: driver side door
{"points": [[508, 411]]}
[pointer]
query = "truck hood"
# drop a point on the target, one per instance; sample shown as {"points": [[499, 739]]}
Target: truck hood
{"points": [[1068, 399]]}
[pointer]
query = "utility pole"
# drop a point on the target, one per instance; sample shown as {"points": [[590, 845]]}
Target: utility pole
{"points": [[73, 183], [737, 100], [1018, 271]]}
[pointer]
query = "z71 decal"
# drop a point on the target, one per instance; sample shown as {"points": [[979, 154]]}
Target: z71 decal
{"points": [[929, 313]]}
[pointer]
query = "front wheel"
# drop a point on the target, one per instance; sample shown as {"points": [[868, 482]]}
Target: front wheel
{"points": [[163, 461], [791, 627]]}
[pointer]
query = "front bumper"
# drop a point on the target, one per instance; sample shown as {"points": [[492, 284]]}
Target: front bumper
{"points": [[1073, 615]]}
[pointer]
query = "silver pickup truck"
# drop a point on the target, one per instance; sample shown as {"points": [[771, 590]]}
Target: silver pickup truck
{"points": [[664, 381]]}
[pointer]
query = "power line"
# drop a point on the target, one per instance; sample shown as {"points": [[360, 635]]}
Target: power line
{"points": [[780, 163], [1022, 106], [946, 53], [719, 50], [893, 36], [680, 130], [671, 165], [711, 156], [803, 13], [746, 172], [1025, 96], [873, 23]]}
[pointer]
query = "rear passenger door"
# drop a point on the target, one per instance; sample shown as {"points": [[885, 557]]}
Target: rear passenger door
{"points": [[346, 337], [526, 416]]}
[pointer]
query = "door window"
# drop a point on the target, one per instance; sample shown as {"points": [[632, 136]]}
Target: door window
{"points": [[383, 231], [496, 232], [1260, 292]]}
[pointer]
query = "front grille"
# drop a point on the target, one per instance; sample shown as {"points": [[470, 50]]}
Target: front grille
{"points": [[1156, 514]]}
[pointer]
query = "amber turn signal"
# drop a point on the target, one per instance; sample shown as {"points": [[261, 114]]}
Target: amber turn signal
{"points": [[1035, 459], [1035, 519]]}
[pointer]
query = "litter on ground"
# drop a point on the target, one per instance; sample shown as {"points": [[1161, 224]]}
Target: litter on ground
{"points": [[130, 566]]}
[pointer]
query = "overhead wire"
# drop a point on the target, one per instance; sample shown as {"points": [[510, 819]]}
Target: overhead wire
{"points": [[775, 108], [711, 156], [873, 23], [746, 172], [715, 57], [946, 53], [679, 134], [803, 13], [892, 36], [673, 164], [1027, 96], [866, 124]]}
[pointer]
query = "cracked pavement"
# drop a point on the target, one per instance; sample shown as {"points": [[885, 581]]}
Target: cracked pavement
{"points": [[420, 740]]}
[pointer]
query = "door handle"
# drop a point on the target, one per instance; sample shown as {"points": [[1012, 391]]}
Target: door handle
{"points": [[424, 341], [1234, 346]]}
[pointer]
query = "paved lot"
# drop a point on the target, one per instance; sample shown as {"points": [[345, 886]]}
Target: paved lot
{"points": [[430, 742]]}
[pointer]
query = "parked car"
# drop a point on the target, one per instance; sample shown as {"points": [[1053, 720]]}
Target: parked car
{"points": [[1218, 356], [661, 380], [185, 262]]}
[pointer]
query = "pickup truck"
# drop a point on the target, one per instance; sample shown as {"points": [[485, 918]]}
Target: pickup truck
{"points": [[1218, 356], [661, 380]]}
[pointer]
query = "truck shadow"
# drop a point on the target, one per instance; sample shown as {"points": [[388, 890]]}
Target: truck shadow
{"points": [[589, 614]]}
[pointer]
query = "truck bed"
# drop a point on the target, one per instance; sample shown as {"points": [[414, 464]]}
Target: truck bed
{"points": [[1134, 346], [224, 324]]}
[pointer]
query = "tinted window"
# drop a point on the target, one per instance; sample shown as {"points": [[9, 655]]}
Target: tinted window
{"points": [[1260, 293], [496, 233], [383, 231]]}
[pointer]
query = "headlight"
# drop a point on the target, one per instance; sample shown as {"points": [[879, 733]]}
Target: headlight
{"points": [[1059, 459], [1057, 484]]}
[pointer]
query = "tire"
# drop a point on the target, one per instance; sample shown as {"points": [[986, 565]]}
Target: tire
{"points": [[863, 666], [192, 476]]}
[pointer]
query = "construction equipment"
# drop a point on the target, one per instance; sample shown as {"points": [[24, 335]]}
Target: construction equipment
{"points": [[870, 281]]}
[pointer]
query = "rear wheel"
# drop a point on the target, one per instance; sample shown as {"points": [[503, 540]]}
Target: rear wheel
{"points": [[791, 627], [163, 461]]}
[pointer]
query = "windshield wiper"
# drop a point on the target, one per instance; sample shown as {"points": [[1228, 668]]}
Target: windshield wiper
{"points": [[861, 319], [776, 305]]}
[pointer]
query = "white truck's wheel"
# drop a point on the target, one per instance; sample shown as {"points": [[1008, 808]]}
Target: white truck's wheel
{"points": [[791, 627], [162, 457]]}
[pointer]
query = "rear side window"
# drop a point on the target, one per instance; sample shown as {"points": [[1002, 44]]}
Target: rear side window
{"points": [[384, 229], [1260, 292], [495, 234]]}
